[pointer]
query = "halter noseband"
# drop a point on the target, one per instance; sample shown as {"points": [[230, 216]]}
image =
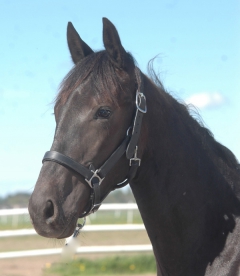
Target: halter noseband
{"points": [[94, 177]]}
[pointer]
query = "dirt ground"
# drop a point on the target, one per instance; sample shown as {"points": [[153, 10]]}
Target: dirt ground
{"points": [[34, 266]]}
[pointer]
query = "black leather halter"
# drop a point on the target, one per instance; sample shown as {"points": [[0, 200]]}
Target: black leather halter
{"points": [[129, 145]]}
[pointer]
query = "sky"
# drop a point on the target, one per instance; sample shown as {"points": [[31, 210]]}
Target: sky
{"points": [[198, 49]]}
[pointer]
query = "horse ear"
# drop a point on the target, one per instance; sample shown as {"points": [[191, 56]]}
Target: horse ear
{"points": [[113, 44], [77, 47]]}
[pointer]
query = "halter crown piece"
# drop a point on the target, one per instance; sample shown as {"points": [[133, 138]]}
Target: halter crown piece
{"points": [[94, 177]]}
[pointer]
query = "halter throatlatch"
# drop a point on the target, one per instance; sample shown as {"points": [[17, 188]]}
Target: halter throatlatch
{"points": [[129, 145]]}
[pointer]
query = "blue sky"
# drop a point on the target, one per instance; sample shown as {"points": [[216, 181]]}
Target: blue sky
{"points": [[198, 43]]}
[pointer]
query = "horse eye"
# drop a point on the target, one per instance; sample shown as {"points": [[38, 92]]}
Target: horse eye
{"points": [[103, 113]]}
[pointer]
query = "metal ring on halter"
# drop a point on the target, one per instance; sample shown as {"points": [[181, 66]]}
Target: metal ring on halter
{"points": [[95, 175], [79, 226], [139, 97]]}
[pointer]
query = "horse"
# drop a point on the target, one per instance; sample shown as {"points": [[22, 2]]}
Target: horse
{"points": [[114, 126]]}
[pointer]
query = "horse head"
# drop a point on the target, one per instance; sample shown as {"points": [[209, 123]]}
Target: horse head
{"points": [[93, 112]]}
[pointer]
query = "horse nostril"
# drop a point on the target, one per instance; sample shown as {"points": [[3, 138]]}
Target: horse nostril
{"points": [[49, 210]]}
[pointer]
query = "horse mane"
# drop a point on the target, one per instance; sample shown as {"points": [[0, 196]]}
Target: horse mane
{"points": [[100, 67], [220, 154]]}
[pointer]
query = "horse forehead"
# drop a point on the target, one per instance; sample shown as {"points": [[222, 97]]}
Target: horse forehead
{"points": [[79, 98], [95, 90]]}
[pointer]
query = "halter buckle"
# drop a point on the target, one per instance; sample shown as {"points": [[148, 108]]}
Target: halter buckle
{"points": [[135, 158]]}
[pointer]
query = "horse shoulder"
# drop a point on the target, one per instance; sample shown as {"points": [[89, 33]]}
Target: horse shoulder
{"points": [[228, 262]]}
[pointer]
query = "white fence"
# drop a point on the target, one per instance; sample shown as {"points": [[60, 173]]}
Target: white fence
{"points": [[82, 249], [104, 207], [16, 213], [88, 228]]}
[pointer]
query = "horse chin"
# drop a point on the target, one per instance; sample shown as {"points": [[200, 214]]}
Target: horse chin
{"points": [[68, 231]]}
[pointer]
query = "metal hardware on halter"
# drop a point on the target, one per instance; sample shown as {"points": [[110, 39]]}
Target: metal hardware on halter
{"points": [[96, 205], [141, 99], [95, 175], [128, 131], [76, 232], [79, 226], [135, 158]]}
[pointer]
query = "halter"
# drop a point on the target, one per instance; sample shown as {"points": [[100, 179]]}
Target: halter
{"points": [[94, 177]]}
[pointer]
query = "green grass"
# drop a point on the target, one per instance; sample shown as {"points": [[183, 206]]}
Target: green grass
{"points": [[117, 265], [115, 217]]}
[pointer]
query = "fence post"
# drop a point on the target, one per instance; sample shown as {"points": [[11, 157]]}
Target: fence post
{"points": [[130, 216], [15, 221]]}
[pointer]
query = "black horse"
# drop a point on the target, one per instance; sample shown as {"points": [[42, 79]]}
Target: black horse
{"points": [[112, 117]]}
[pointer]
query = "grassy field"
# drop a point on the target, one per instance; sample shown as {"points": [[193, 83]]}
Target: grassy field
{"points": [[131, 264]]}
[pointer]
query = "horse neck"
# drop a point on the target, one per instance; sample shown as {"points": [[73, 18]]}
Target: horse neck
{"points": [[176, 190]]}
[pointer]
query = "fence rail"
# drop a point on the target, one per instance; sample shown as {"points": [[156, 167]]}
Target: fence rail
{"points": [[20, 215], [80, 250], [87, 228], [104, 207]]}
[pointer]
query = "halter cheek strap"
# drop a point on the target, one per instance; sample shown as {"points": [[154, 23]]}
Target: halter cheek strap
{"points": [[129, 145]]}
